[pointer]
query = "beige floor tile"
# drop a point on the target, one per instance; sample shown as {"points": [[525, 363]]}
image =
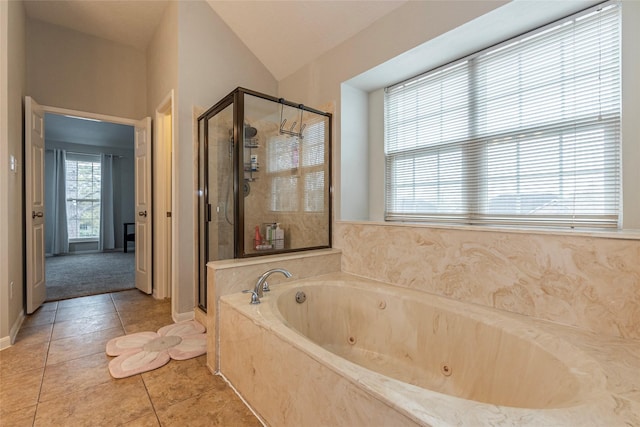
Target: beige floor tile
{"points": [[71, 348], [75, 388], [49, 306], [22, 417], [145, 321], [34, 334], [78, 374], [146, 421], [130, 295], [19, 391], [40, 317], [23, 357], [80, 311], [138, 305], [177, 381], [86, 325], [217, 407], [108, 404], [84, 301]]}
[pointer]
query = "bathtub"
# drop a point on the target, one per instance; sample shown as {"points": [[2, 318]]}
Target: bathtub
{"points": [[342, 350]]}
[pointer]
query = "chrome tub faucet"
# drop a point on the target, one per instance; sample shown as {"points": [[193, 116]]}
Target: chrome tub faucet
{"points": [[262, 285]]}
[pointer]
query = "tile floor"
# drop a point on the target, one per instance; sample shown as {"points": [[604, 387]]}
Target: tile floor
{"points": [[56, 373]]}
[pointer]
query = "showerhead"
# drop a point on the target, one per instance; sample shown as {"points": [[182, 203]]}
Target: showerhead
{"points": [[250, 131]]}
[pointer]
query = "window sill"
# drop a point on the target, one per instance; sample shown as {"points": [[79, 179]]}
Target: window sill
{"points": [[85, 240], [604, 234]]}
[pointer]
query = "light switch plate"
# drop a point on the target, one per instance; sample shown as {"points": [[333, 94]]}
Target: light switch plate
{"points": [[12, 163]]}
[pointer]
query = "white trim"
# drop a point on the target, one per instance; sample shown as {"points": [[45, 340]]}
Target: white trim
{"points": [[181, 317], [4, 177], [165, 110], [6, 342], [89, 115]]}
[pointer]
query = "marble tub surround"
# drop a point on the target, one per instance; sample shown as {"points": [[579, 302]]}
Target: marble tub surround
{"points": [[235, 275], [591, 281], [544, 374]]}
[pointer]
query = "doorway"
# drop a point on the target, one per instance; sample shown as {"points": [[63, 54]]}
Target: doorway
{"points": [[35, 195], [89, 199]]}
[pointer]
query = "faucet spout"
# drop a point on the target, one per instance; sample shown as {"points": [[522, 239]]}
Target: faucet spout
{"points": [[260, 284]]}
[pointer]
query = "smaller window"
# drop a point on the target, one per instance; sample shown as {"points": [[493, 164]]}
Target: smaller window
{"points": [[83, 175], [292, 159]]}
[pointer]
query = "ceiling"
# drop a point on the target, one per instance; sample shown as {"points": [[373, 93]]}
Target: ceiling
{"points": [[283, 35], [132, 23], [87, 132]]}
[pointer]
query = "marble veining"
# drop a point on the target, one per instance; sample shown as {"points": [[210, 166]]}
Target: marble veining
{"points": [[585, 281]]}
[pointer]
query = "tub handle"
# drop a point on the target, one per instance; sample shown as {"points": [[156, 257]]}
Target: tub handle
{"points": [[254, 296]]}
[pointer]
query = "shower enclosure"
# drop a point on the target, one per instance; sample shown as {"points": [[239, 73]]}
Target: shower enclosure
{"points": [[264, 179]]}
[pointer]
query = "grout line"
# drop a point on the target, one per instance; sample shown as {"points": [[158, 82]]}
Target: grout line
{"points": [[153, 406], [221, 375], [115, 306], [44, 367]]}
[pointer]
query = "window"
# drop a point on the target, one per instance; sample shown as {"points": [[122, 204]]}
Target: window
{"points": [[83, 196], [524, 133], [291, 159]]}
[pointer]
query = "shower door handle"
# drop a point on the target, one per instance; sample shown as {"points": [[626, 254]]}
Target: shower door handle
{"points": [[142, 213]]}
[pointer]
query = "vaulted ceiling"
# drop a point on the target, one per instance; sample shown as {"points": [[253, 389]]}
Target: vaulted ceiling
{"points": [[283, 35]]}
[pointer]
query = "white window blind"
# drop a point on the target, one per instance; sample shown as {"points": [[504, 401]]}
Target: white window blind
{"points": [[524, 133]]}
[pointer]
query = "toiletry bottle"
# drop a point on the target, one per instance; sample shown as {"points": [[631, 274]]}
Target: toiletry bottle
{"points": [[254, 162], [257, 240], [279, 237], [268, 233]]}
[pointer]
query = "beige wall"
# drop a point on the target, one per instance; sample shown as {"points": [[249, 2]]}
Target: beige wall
{"points": [[162, 60], [12, 91], [72, 70], [212, 62], [319, 82]]}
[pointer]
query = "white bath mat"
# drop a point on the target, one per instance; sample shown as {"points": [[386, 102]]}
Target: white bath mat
{"points": [[145, 351]]}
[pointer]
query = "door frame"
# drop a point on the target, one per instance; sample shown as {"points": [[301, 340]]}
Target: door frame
{"points": [[164, 166], [96, 116]]}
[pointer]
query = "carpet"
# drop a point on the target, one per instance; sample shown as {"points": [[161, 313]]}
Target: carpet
{"points": [[70, 276], [145, 351]]}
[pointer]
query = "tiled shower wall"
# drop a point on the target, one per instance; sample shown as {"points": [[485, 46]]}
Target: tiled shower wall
{"points": [[590, 282]]}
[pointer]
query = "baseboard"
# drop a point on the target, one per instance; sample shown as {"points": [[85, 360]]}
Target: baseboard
{"points": [[181, 317], [6, 342]]}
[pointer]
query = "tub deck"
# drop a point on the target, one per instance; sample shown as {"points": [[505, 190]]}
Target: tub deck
{"points": [[289, 380]]}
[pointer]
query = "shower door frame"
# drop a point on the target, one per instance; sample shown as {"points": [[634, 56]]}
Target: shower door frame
{"points": [[238, 170], [236, 97]]}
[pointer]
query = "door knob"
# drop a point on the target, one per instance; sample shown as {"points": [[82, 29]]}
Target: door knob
{"points": [[142, 213], [36, 214]]}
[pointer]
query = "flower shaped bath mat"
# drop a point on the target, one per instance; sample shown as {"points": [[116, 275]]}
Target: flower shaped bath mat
{"points": [[145, 351]]}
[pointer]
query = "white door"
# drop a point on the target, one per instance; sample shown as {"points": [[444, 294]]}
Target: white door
{"points": [[34, 204], [143, 205]]}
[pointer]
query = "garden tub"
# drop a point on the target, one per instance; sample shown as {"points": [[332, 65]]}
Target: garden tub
{"points": [[343, 350]]}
